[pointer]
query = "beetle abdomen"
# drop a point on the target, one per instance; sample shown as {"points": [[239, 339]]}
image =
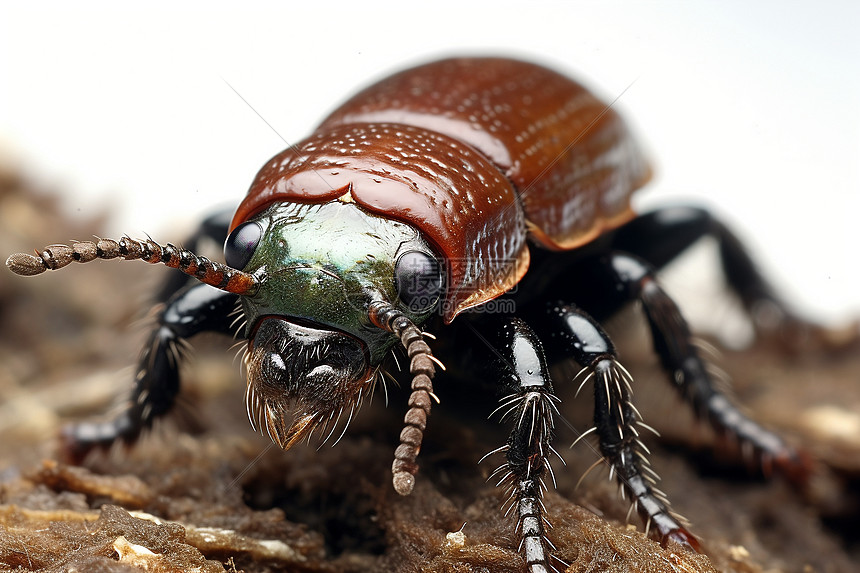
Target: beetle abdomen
{"points": [[569, 155]]}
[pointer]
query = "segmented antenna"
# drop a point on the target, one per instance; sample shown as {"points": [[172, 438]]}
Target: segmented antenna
{"points": [[55, 257], [422, 366]]}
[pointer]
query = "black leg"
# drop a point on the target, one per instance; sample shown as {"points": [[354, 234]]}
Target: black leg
{"points": [[530, 404], [214, 227], [574, 334], [660, 236], [680, 358], [194, 309]]}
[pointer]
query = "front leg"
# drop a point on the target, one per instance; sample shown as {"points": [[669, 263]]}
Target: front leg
{"points": [[530, 404], [192, 310], [214, 228]]}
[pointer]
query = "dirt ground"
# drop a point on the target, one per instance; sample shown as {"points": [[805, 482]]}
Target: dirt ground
{"points": [[203, 492]]}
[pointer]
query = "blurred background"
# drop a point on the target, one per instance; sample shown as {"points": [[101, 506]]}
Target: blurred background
{"points": [[748, 108]]}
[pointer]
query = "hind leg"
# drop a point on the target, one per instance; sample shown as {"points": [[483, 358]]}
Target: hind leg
{"points": [[661, 235], [633, 279]]}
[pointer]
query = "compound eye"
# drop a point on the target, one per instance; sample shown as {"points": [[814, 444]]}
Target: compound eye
{"points": [[241, 244], [418, 280]]}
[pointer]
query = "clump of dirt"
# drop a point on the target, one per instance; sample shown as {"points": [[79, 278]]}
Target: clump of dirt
{"points": [[204, 492]]}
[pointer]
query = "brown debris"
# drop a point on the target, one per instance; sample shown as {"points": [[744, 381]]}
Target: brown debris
{"points": [[111, 540], [128, 491]]}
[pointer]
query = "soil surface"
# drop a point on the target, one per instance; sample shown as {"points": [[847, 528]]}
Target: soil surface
{"points": [[203, 492]]}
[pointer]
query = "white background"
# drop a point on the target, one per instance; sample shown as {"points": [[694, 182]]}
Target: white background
{"points": [[747, 107]]}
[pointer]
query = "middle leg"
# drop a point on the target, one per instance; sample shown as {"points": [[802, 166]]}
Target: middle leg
{"points": [[633, 279], [571, 333]]}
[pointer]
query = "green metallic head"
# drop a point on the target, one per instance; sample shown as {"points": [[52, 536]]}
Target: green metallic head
{"points": [[314, 349]]}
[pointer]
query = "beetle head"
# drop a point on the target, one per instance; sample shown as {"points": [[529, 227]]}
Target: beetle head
{"points": [[313, 348]]}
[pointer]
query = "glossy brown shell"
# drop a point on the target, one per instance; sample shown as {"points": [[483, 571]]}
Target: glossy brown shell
{"points": [[477, 153]]}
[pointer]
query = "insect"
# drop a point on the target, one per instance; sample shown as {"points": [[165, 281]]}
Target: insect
{"points": [[482, 199]]}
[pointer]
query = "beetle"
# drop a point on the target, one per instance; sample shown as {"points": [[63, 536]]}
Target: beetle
{"points": [[422, 204]]}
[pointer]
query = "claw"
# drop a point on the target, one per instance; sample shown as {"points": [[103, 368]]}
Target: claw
{"points": [[684, 538]]}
